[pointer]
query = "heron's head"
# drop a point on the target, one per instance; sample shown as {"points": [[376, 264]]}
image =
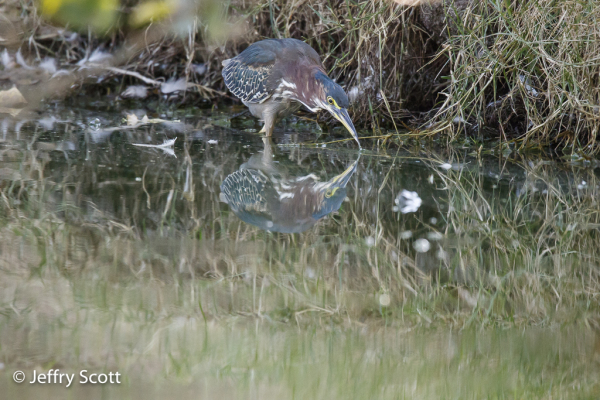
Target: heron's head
{"points": [[334, 191], [335, 100]]}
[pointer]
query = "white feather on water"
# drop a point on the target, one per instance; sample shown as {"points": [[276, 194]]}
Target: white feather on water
{"points": [[407, 202]]}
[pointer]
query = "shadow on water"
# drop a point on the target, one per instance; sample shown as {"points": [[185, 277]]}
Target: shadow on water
{"points": [[409, 272]]}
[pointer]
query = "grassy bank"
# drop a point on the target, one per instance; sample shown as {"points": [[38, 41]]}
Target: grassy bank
{"points": [[528, 69], [522, 71]]}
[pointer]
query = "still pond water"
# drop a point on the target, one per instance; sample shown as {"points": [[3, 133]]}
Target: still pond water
{"points": [[200, 260]]}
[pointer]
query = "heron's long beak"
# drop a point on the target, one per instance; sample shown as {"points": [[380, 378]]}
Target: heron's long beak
{"points": [[342, 179], [341, 114]]}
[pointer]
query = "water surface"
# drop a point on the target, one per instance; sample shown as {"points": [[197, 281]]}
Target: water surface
{"points": [[229, 265]]}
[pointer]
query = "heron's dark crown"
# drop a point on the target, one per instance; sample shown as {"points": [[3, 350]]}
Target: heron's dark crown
{"points": [[330, 88]]}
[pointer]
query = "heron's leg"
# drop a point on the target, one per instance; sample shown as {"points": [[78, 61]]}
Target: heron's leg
{"points": [[267, 128], [267, 157]]}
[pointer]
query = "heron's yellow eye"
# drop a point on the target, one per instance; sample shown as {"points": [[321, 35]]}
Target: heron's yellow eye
{"points": [[331, 101], [330, 192]]}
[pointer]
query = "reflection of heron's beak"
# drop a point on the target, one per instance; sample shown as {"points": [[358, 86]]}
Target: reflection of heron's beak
{"points": [[342, 179], [341, 114]]}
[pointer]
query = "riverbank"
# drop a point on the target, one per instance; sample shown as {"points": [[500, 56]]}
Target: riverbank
{"points": [[518, 72]]}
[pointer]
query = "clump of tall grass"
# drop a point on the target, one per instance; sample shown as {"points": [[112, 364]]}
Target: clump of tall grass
{"points": [[527, 68]]}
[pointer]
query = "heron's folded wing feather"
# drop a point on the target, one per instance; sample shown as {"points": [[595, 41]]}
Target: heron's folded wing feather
{"points": [[247, 75]]}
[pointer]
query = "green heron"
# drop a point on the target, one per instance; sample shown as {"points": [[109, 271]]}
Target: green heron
{"points": [[275, 77], [262, 194]]}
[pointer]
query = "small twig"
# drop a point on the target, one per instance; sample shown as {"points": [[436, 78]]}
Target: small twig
{"points": [[134, 74]]}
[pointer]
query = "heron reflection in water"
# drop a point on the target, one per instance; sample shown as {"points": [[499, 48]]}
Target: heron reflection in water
{"points": [[263, 194]]}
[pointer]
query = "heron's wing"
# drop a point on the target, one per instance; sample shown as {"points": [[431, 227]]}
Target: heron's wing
{"points": [[247, 74], [245, 191]]}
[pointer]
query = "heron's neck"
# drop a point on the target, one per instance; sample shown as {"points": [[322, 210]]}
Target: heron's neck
{"points": [[310, 90]]}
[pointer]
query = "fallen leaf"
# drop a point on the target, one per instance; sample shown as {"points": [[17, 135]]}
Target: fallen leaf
{"points": [[132, 119], [49, 65], [12, 98], [97, 57], [135, 91], [172, 85]]}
